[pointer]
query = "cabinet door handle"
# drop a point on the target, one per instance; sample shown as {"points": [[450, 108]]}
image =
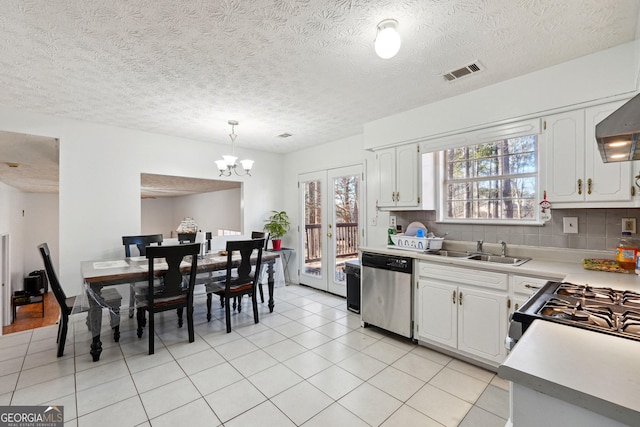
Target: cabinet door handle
{"points": [[579, 186], [589, 182], [633, 191], [397, 196], [453, 297], [528, 286], [460, 297], [517, 306]]}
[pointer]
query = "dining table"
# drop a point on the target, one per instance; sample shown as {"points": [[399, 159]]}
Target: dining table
{"points": [[99, 274]]}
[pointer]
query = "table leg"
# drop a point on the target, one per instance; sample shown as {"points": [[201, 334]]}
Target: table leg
{"points": [[270, 283], [95, 323]]}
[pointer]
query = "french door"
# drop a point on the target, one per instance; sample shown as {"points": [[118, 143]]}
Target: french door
{"points": [[332, 226]]}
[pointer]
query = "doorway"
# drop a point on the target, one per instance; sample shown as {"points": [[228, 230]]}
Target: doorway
{"points": [[332, 224]]}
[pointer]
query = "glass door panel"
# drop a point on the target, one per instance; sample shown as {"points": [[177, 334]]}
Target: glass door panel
{"points": [[313, 201], [344, 224], [331, 221]]}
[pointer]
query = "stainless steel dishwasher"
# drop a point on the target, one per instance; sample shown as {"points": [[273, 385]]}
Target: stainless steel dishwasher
{"points": [[387, 292]]}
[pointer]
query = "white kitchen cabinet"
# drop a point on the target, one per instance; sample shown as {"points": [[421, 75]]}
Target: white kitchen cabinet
{"points": [[398, 171], [463, 309], [574, 172]]}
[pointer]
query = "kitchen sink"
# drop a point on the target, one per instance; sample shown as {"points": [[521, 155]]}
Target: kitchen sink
{"points": [[482, 257], [499, 259], [453, 254]]}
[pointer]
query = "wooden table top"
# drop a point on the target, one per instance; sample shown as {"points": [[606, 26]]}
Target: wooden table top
{"points": [[126, 270]]}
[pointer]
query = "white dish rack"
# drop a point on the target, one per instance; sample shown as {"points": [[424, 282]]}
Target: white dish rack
{"points": [[412, 243]]}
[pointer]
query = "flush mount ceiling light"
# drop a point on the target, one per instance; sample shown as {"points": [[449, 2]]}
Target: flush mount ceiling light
{"points": [[388, 41], [228, 163]]}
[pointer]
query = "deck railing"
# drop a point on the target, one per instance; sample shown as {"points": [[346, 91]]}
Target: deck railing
{"points": [[346, 238]]}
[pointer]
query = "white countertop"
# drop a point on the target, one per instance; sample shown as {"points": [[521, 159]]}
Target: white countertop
{"points": [[592, 370], [550, 263]]}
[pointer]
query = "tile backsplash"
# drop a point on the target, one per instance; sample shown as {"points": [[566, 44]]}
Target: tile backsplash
{"points": [[598, 229]]}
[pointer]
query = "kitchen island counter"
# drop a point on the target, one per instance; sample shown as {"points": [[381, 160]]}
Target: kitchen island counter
{"points": [[593, 377]]}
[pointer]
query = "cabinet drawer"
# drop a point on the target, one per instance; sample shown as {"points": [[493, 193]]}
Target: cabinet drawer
{"points": [[527, 285], [464, 276]]}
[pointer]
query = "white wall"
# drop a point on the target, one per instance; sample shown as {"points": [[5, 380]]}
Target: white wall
{"points": [[211, 211], [344, 152], [12, 222], [157, 216], [40, 226], [100, 169], [607, 73]]}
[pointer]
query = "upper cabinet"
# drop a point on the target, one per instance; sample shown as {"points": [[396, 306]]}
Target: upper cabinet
{"points": [[575, 174], [398, 172]]}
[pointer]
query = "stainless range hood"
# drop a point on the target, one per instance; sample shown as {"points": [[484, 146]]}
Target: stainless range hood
{"points": [[617, 135]]}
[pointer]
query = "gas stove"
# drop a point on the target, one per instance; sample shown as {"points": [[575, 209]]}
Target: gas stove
{"points": [[600, 309]]}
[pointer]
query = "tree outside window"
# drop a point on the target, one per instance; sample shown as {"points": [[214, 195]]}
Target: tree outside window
{"points": [[496, 180]]}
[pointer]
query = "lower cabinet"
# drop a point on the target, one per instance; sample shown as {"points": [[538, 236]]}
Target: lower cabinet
{"points": [[463, 309]]}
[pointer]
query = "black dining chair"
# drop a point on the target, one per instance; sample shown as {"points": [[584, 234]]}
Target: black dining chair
{"points": [[174, 289], [109, 298], [241, 282], [265, 236], [186, 238], [141, 242]]}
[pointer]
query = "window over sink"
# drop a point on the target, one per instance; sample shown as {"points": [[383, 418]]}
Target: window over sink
{"points": [[491, 181]]}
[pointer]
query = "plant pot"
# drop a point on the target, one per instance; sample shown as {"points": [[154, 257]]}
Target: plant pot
{"points": [[275, 243]]}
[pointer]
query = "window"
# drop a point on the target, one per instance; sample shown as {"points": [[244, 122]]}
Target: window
{"points": [[492, 181]]}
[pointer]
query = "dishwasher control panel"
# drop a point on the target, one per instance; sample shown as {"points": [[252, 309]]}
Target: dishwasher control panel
{"points": [[388, 262]]}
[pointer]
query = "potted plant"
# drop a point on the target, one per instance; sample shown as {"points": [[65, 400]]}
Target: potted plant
{"points": [[277, 226]]}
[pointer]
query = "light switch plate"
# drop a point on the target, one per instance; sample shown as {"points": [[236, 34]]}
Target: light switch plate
{"points": [[570, 225]]}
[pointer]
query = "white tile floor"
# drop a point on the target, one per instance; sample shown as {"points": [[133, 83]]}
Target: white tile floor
{"points": [[307, 363]]}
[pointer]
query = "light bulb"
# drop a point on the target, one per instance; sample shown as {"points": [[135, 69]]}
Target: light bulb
{"points": [[387, 42]]}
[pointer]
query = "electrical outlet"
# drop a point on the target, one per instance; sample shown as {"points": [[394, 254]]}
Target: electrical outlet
{"points": [[629, 224], [392, 221], [570, 225]]}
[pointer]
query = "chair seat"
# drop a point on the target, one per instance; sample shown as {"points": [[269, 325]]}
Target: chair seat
{"points": [[220, 287], [142, 301], [141, 288]]}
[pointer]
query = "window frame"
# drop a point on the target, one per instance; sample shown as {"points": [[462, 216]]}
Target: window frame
{"points": [[442, 187]]}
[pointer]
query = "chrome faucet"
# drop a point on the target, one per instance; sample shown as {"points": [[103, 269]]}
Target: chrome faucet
{"points": [[479, 245], [503, 248]]}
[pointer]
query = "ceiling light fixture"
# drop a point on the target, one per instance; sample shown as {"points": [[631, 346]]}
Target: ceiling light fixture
{"points": [[387, 42], [228, 163]]}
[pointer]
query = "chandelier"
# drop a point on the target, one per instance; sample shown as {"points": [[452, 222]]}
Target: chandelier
{"points": [[228, 163]]}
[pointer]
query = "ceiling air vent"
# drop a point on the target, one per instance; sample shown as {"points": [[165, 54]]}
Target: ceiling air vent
{"points": [[461, 72]]}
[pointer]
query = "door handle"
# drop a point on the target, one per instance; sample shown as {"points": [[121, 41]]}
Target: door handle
{"points": [[453, 297], [528, 286], [589, 182], [329, 234], [460, 297], [579, 186]]}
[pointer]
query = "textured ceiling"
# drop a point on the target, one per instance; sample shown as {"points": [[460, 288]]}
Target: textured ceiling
{"points": [[304, 67]]}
